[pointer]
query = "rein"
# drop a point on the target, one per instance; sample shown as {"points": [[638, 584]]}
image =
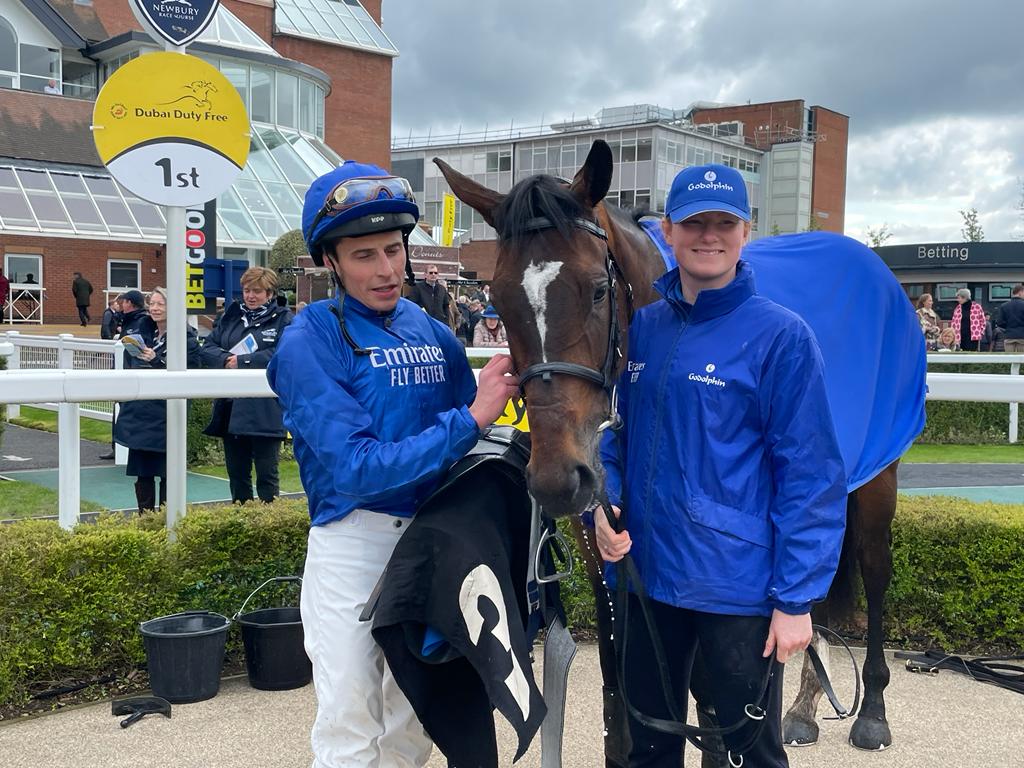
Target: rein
{"points": [[755, 712]]}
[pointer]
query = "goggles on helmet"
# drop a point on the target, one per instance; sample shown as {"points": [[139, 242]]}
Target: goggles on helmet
{"points": [[353, 192]]}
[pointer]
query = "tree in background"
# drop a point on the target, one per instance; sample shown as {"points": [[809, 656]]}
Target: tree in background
{"points": [[775, 230], [972, 231], [813, 225], [284, 256], [877, 237]]}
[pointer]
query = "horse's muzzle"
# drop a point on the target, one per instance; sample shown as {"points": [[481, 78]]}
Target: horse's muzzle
{"points": [[562, 490]]}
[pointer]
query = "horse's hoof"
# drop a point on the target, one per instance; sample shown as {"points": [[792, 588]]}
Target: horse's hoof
{"points": [[871, 734], [799, 733]]}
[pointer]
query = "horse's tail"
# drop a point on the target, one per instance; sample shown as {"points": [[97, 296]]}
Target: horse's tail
{"points": [[842, 597]]}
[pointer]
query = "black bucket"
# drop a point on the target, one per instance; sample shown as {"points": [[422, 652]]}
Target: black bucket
{"points": [[274, 654], [185, 654]]}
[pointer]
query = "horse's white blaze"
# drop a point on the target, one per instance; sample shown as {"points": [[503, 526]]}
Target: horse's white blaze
{"points": [[536, 280]]}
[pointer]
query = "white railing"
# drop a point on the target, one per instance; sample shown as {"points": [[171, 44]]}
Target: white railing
{"points": [[64, 352], [70, 388], [978, 358]]}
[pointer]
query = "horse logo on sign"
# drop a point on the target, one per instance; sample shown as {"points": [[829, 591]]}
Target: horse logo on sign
{"points": [[179, 22]]}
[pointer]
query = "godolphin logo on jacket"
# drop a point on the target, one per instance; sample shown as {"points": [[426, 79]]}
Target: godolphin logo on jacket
{"points": [[707, 378], [408, 365]]}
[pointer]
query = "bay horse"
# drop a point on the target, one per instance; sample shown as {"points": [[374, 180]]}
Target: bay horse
{"points": [[570, 271]]}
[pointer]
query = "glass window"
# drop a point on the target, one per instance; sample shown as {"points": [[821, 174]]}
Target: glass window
{"points": [[24, 268], [79, 79], [412, 170], [83, 213], [35, 180], [124, 274], [307, 106], [100, 185], [48, 209], [294, 169], [65, 182], [999, 291], [39, 61], [14, 210], [309, 156], [947, 291], [629, 153], [116, 215], [287, 99], [238, 222], [8, 47], [238, 76], [320, 96], [147, 216], [492, 162], [643, 150], [505, 161], [262, 95], [526, 159]]}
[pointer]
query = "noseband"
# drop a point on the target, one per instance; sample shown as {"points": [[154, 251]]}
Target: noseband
{"points": [[604, 378]]}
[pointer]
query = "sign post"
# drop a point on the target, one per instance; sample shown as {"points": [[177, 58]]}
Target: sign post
{"points": [[174, 131]]}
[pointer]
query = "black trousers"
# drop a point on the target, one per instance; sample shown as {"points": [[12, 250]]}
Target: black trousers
{"points": [[241, 452], [731, 647], [145, 493], [83, 314]]}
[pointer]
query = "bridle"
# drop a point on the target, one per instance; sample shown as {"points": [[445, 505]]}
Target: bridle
{"points": [[606, 376]]}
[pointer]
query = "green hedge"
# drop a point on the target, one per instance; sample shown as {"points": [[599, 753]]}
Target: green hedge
{"points": [[962, 422], [71, 603], [201, 449]]}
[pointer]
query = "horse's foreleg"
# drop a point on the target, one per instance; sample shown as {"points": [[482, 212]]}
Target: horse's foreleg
{"points": [[616, 727], [799, 728], [871, 730]]}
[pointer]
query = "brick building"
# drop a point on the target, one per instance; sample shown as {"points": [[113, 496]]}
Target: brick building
{"points": [[315, 76], [793, 159]]}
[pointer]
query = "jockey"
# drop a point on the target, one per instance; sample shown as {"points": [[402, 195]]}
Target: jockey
{"points": [[380, 401], [729, 471]]}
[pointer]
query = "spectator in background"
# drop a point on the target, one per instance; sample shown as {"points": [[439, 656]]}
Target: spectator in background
{"points": [[81, 289], [30, 279], [141, 425], [989, 336], [475, 311], [109, 323], [431, 295], [947, 339], [491, 331], [968, 322], [1009, 321], [51, 86], [245, 337], [929, 320], [5, 288]]}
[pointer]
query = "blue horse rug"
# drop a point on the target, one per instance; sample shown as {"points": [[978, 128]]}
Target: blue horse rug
{"points": [[868, 332]]}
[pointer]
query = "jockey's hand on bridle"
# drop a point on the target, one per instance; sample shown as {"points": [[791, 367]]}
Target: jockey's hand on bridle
{"points": [[611, 545], [496, 386]]}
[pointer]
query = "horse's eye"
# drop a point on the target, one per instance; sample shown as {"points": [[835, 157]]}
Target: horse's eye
{"points": [[600, 293]]}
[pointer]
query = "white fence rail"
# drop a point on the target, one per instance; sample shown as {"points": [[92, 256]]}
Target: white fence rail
{"points": [[69, 388], [64, 352]]}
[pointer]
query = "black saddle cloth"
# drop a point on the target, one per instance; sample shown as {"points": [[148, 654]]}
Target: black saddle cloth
{"points": [[461, 568]]}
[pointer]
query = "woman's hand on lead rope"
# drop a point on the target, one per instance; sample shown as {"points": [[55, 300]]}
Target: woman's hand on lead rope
{"points": [[611, 545], [493, 390], [788, 634]]}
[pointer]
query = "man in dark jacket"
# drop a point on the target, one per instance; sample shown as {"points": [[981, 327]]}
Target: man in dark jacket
{"points": [[432, 296], [81, 289], [1010, 320], [111, 321], [252, 428]]}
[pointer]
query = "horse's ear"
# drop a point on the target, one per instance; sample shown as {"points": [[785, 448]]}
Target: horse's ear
{"points": [[592, 181], [478, 197]]}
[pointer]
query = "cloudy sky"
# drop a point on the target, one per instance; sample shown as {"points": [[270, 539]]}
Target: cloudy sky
{"points": [[933, 90]]}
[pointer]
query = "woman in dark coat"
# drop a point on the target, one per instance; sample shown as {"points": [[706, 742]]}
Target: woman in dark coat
{"points": [[245, 336], [141, 425]]}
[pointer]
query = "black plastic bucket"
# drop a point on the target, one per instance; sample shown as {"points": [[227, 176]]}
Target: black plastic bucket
{"points": [[275, 658], [185, 654]]}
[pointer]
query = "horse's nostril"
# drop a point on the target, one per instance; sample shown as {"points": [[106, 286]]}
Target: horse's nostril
{"points": [[585, 481]]}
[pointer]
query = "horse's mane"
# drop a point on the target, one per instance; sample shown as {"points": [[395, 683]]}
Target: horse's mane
{"points": [[533, 197]]}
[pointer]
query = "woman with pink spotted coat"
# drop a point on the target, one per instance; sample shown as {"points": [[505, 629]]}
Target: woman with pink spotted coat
{"points": [[968, 322]]}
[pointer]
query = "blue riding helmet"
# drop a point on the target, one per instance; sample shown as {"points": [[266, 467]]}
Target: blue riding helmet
{"points": [[353, 200]]}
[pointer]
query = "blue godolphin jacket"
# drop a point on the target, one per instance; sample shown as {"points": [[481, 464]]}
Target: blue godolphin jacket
{"points": [[372, 431], [735, 492]]}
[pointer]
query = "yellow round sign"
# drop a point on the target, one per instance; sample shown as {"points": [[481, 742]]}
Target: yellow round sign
{"points": [[171, 128]]}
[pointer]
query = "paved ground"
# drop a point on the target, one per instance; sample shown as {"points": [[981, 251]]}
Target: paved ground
{"points": [[955, 475], [23, 448], [947, 721]]}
